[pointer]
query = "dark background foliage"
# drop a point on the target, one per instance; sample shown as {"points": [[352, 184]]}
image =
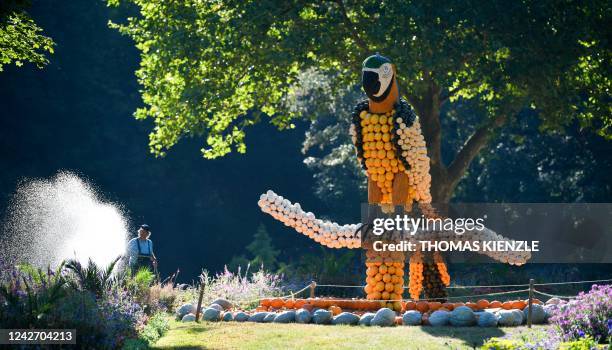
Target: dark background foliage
{"points": [[76, 115]]}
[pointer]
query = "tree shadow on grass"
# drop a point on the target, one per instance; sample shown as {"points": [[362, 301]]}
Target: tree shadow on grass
{"points": [[471, 336], [197, 330]]}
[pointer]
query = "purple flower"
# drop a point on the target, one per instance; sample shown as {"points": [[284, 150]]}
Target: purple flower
{"points": [[580, 333]]}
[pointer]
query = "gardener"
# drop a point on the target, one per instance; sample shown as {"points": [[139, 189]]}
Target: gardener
{"points": [[140, 250]]}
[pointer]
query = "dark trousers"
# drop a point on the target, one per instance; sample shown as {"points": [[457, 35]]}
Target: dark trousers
{"points": [[143, 261]]}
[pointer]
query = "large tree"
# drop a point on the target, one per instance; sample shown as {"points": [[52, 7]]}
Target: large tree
{"points": [[213, 68]]}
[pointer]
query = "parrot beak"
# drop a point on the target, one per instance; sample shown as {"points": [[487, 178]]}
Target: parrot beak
{"points": [[370, 84]]}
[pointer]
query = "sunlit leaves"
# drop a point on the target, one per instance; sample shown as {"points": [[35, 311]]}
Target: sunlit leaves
{"points": [[21, 41], [213, 68]]}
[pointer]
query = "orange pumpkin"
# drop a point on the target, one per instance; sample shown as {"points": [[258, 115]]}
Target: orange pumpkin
{"points": [[308, 307], [456, 305], [299, 303], [472, 306], [261, 308], [519, 304], [448, 306], [290, 303], [335, 310], [495, 304], [507, 305], [422, 306], [482, 303], [434, 305], [537, 301], [277, 303], [265, 302], [410, 305], [397, 306]]}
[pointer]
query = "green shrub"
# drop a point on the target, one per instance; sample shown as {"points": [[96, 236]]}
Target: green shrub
{"points": [[92, 278], [155, 328], [587, 343], [139, 286], [135, 344], [501, 344]]}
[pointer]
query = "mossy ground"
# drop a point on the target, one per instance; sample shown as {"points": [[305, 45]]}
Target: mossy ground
{"points": [[247, 335]]}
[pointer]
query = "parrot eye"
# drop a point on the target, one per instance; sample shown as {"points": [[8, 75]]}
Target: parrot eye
{"points": [[385, 71]]}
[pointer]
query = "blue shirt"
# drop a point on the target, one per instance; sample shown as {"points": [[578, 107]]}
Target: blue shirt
{"points": [[146, 248]]}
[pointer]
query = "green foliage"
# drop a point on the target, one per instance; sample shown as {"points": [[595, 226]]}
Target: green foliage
{"points": [[327, 146], [262, 250], [586, 343], [155, 328], [92, 277], [21, 39], [139, 285], [326, 266], [43, 291], [501, 344], [214, 68], [135, 344]]}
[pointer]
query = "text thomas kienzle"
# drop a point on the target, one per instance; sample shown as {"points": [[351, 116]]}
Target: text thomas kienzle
{"points": [[459, 226]]}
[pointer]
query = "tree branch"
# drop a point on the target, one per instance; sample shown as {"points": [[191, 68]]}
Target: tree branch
{"points": [[351, 27], [474, 144]]}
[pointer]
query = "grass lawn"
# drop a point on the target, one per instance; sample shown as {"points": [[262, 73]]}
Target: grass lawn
{"points": [[247, 335]]}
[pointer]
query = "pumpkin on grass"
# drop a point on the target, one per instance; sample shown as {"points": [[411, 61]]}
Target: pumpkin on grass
{"points": [[495, 304], [507, 305], [335, 310], [410, 305], [434, 305], [422, 306], [518, 304], [308, 307], [472, 306], [448, 306], [277, 303], [456, 305], [299, 303], [482, 303]]}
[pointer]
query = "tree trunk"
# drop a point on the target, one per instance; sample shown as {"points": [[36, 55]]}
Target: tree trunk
{"points": [[445, 179], [428, 110]]}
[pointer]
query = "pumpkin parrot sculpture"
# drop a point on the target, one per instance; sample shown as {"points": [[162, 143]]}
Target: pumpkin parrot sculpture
{"points": [[391, 149]]}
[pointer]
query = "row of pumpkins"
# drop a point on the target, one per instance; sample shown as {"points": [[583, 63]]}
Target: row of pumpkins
{"points": [[333, 235], [327, 233], [336, 305]]}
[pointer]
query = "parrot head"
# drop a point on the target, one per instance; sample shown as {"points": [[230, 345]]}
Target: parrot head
{"points": [[378, 77]]}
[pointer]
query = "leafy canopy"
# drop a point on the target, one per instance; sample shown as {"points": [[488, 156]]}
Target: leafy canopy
{"points": [[20, 37], [213, 68]]}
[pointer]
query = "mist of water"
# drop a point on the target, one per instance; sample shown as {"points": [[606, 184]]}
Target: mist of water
{"points": [[49, 220]]}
